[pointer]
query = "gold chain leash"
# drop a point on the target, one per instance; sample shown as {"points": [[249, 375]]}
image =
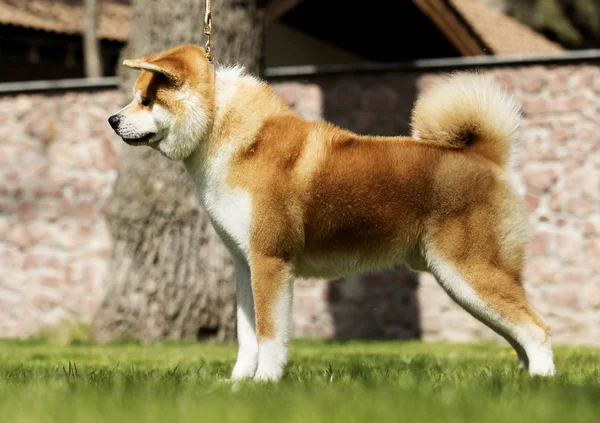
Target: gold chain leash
{"points": [[207, 30]]}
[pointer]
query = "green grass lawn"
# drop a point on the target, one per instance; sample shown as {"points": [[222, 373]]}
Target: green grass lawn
{"points": [[337, 382]]}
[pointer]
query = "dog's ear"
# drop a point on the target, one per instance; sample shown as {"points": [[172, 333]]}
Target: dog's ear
{"points": [[170, 67]]}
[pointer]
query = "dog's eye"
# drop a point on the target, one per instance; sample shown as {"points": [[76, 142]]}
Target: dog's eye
{"points": [[145, 101]]}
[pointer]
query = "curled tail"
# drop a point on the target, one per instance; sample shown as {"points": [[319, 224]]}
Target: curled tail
{"points": [[468, 111]]}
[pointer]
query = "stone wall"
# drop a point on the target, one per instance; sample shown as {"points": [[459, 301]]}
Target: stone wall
{"points": [[58, 161], [59, 158]]}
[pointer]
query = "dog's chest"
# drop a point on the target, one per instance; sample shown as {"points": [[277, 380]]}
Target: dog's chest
{"points": [[229, 208]]}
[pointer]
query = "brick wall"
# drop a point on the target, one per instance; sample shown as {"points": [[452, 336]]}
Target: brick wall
{"points": [[58, 161], [59, 158]]}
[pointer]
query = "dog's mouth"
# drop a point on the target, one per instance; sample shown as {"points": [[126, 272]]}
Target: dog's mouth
{"points": [[140, 140]]}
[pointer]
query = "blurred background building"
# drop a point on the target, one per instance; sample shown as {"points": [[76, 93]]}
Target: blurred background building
{"points": [[358, 65]]}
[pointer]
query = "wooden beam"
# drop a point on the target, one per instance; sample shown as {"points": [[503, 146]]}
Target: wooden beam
{"points": [[454, 30], [275, 9]]}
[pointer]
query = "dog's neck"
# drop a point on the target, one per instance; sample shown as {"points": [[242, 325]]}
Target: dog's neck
{"points": [[242, 103], [234, 90]]}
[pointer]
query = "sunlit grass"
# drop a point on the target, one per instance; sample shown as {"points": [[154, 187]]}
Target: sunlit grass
{"points": [[354, 381]]}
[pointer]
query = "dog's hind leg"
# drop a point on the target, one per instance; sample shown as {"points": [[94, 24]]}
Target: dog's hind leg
{"points": [[481, 270], [247, 359], [498, 300]]}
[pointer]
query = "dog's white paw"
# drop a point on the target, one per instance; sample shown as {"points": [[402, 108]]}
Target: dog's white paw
{"points": [[244, 368], [541, 361], [272, 374], [542, 368], [272, 358]]}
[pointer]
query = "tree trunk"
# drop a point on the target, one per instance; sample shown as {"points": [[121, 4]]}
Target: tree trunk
{"points": [[169, 275], [91, 48]]}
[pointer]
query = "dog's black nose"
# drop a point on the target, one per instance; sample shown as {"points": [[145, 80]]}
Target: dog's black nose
{"points": [[114, 121]]}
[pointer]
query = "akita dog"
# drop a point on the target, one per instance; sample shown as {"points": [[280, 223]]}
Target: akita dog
{"points": [[292, 198]]}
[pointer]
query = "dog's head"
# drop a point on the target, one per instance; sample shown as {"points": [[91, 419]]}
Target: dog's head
{"points": [[172, 102]]}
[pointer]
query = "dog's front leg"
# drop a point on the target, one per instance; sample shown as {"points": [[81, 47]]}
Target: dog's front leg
{"points": [[247, 359], [272, 285]]}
